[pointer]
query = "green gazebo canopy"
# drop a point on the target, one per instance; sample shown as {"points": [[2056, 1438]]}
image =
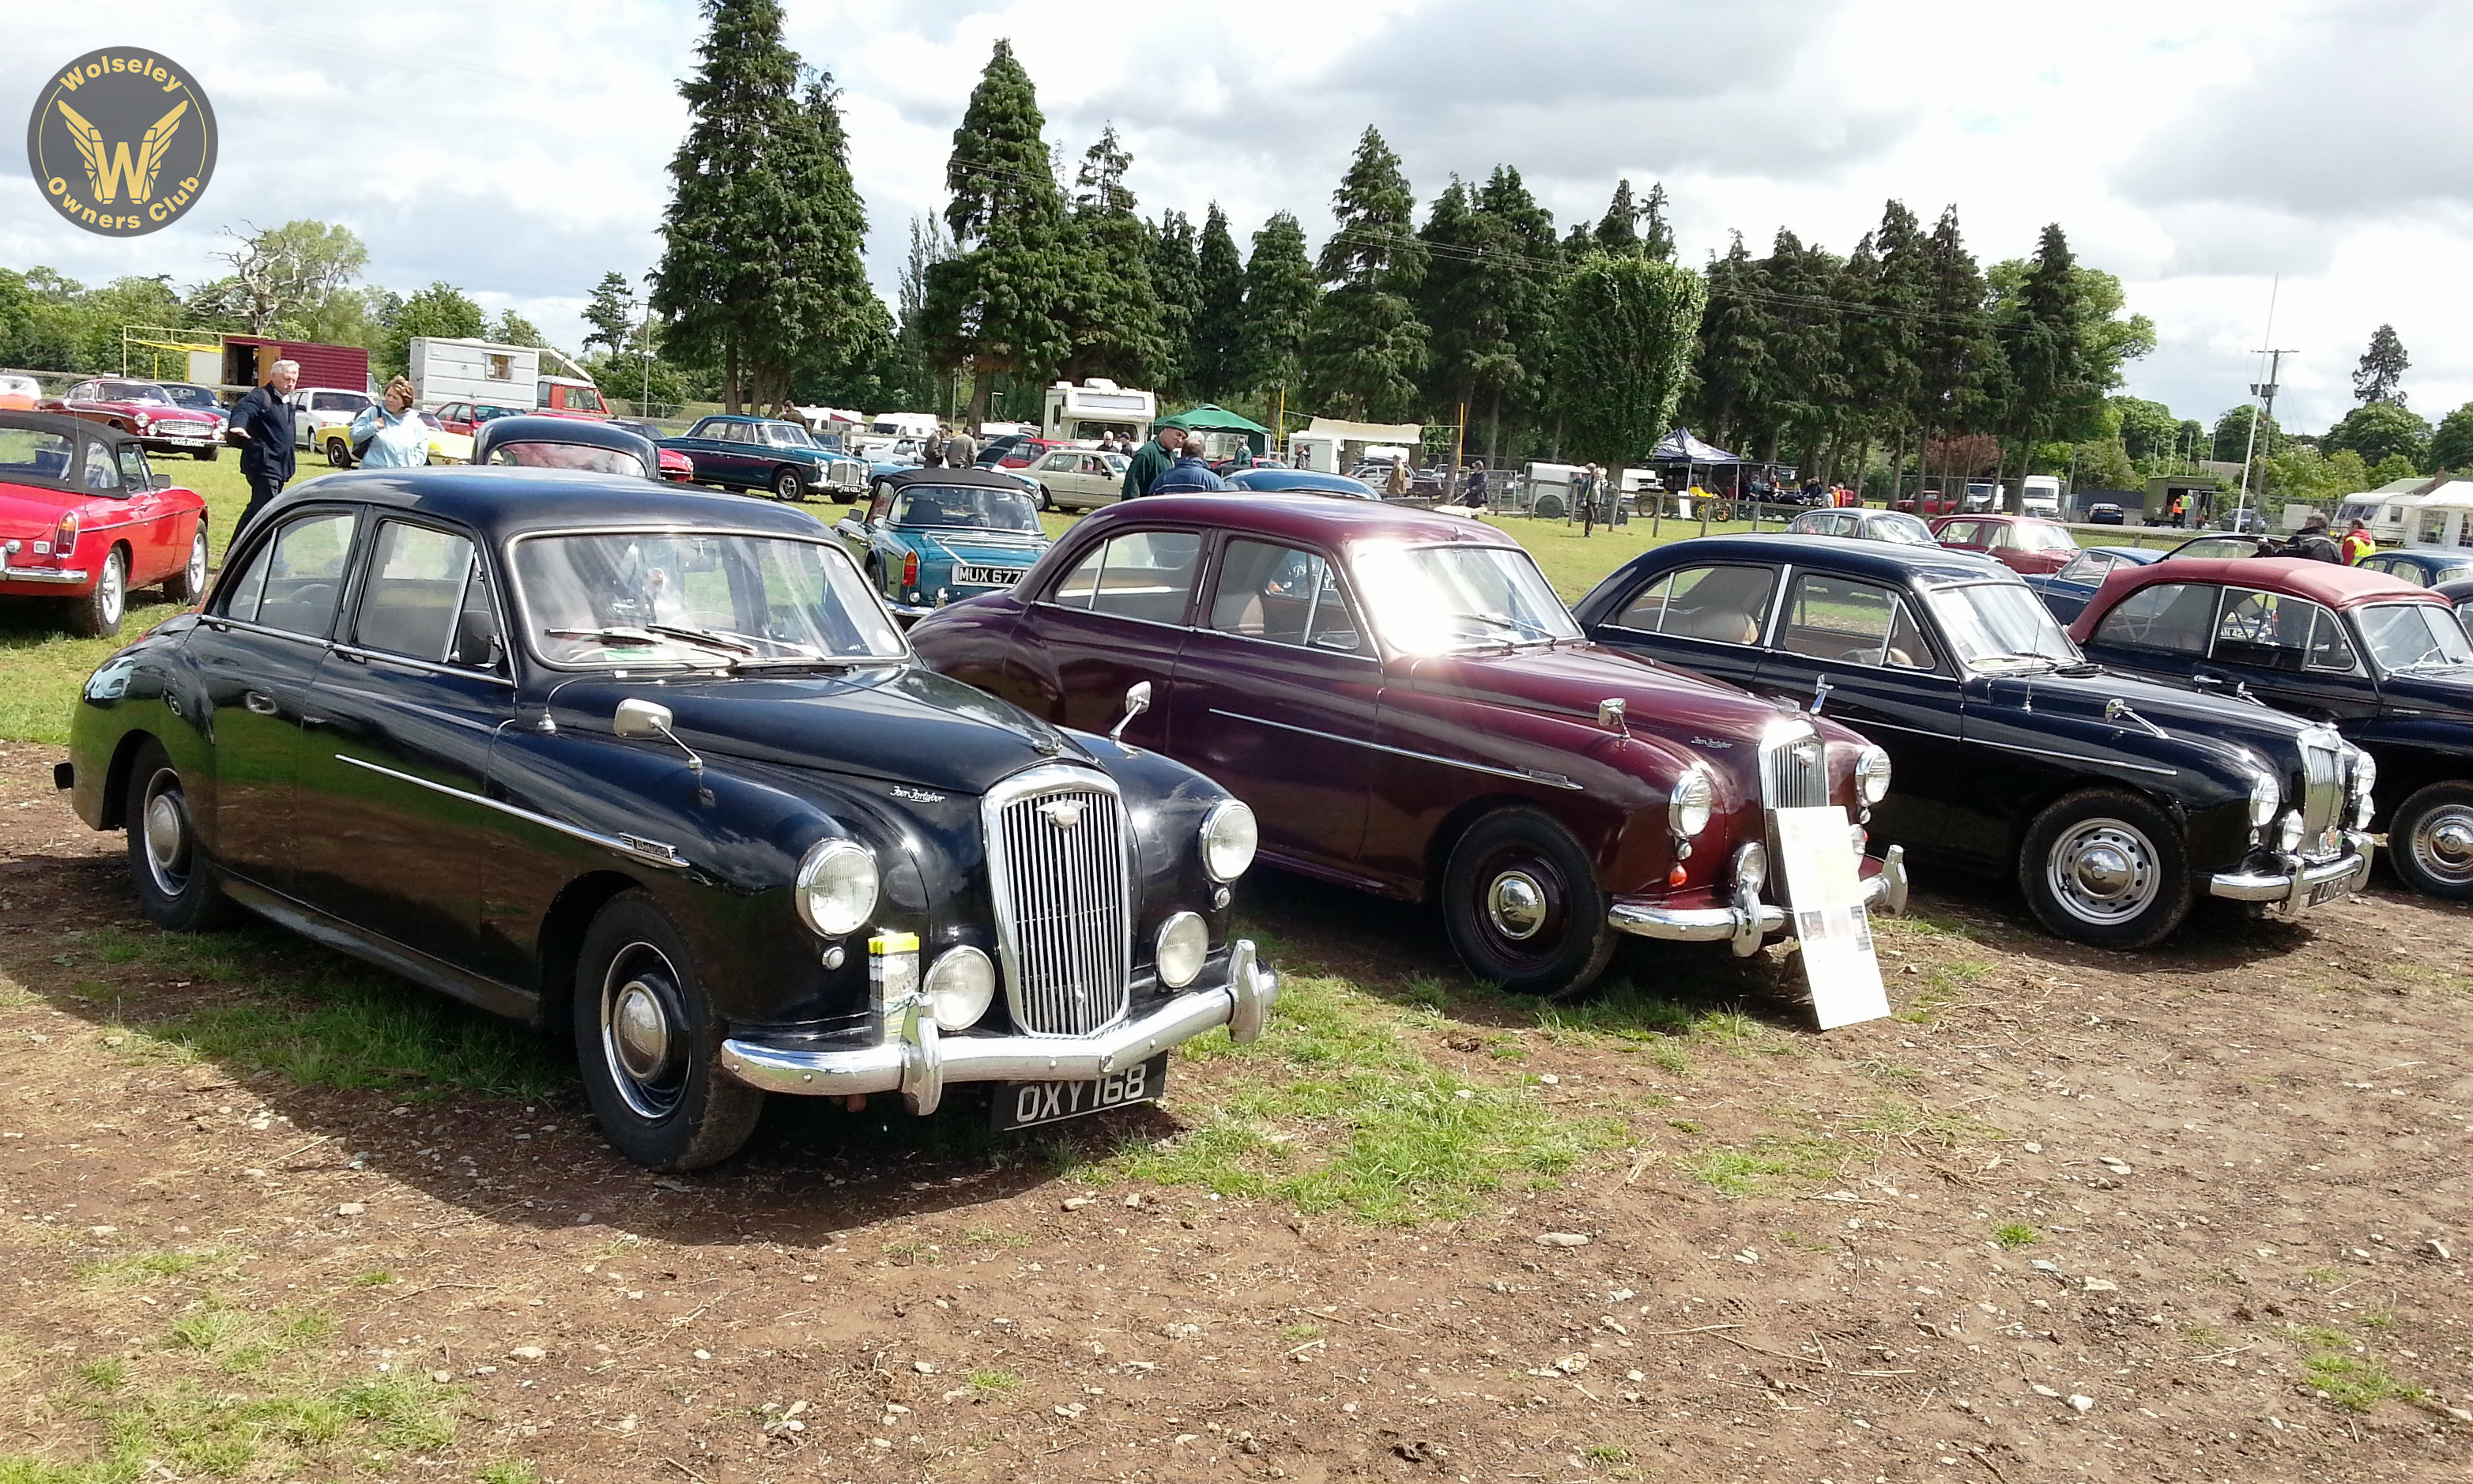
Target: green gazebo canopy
{"points": [[1210, 418]]}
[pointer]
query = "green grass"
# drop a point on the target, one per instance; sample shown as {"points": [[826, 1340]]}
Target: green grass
{"points": [[1607, 1452], [994, 1383], [2344, 1374], [1766, 1162], [512, 1472], [2014, 1235], [141, 1267]]}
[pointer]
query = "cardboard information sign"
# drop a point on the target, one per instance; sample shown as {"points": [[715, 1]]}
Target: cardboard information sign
{"points": [[1817, 861]]}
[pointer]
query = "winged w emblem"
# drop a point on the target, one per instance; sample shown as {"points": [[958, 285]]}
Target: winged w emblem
{"points": [[107, 169]]}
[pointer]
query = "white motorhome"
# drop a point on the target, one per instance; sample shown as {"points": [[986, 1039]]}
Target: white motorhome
{"points": [[2043, 495], [1098, 408], [473, 370]]}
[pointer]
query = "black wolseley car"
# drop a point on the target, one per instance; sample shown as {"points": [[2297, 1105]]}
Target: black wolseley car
{"points": [[658, 767], [2115, 801]]}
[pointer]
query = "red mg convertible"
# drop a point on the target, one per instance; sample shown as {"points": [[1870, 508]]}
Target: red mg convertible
{"points": [[1411, 710], [84, 517]]}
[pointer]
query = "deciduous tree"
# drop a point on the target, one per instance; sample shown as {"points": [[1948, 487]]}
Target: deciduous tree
{"points": [[2379, 429], [1626, 332], [2450, 447]]}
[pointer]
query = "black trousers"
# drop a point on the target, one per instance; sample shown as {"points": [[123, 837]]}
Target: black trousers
{"points": [[262, 488]]}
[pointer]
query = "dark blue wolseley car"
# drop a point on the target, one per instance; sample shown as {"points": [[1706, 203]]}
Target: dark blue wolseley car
{"points": [[2114, 803], [654, 769], [740, 452]]}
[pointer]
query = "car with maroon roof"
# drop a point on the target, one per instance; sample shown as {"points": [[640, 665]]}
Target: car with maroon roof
{"points": [[144, 411], [1411, 710], [84, 518], [2379, 660], [2026, 545]]}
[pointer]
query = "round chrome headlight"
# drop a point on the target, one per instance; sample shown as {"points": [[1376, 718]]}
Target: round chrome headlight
{"points": [[2366, 774], [1872, 774], [1184, 942], [1229, 836], [1752, 865], [959, 988], [1689, 806], [2288, 839], [836, 887], [2263, 796]]}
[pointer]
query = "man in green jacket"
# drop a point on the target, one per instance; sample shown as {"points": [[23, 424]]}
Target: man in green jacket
{"points": [[1154, 458]]}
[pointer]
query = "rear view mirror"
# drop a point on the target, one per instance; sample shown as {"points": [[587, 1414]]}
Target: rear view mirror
{"points": [[641, 719], [1138, 700]]}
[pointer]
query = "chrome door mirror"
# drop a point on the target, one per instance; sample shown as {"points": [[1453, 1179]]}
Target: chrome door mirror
{"points": [[638, 718], [1138, 700]]}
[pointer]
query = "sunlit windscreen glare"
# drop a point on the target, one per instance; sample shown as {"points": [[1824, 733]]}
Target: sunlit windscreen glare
{"points": [[2406, 635], [641, 597], [1895, 527], [1996, 626], [1431, 600]]}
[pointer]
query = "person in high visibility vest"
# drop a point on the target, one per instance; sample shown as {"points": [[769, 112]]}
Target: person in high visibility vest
{"points": [[2358, 544]]}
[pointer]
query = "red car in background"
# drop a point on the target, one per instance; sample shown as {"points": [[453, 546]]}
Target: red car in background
{"points": [[466, 417], [82, 518], [676, 467], [145, 411], [2029, 545]]}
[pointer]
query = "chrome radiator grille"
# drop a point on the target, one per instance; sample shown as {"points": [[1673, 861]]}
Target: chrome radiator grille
{"points": [[2322, 782], [1794, 766], [1060, 870]]}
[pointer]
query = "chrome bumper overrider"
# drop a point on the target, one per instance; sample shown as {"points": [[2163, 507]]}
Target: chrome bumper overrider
{"points": [[2293, 885], [921, 1060], [1750, 920]]}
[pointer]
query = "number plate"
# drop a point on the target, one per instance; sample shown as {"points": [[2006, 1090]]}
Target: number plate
{"points": [[2326, 891], [987, 576], [1023, 1105]]}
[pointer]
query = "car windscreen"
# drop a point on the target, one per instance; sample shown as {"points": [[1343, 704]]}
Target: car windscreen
{"points": [[132, 392], [2000, 626], [787, 435], [583, 456], [1436, 600], [975, 508], [1890, 526], [2412, 636], [198, 398], [638, 597]]}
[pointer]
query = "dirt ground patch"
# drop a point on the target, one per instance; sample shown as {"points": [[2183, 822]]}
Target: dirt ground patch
{"points": [[2193, 1214]]}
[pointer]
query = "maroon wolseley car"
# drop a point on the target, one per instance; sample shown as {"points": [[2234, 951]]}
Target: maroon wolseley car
{"points": [[1411, 710]]}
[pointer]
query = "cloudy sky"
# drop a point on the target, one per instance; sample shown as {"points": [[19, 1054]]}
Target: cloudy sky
{"points": [[2197, 148]]}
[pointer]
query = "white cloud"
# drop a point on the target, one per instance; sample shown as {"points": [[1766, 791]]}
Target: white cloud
{"points": [[2196, 149]]}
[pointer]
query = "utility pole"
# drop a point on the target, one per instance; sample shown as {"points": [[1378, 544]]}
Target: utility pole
{"points": [[2249, 444], [2264, 423]]}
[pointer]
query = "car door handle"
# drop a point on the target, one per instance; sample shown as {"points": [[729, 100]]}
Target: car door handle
{"points": [[259, 702]]}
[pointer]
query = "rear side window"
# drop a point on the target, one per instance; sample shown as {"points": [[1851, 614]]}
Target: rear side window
{"points": [[1726, 604], [1142, 574], [415, 591], [1853, 623], [295, 581], [2178, 618]]}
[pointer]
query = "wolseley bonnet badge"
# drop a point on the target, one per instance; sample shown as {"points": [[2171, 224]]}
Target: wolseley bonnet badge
{"points": [[122, 141]]}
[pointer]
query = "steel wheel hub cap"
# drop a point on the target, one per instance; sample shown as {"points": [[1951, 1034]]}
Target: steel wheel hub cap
{"points": [[2103, 871], [2443, 844], [1515, 904], [166, 829], [2453, 842], [640, 1031]]}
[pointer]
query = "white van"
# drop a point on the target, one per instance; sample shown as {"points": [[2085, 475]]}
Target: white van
{"points": [[2043, 495]]}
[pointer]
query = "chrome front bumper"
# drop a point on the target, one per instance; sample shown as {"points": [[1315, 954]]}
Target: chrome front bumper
{"points": [[916, 1059], [1749, 920], [2298, 880]]}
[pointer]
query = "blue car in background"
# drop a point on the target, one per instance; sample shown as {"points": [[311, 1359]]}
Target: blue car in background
{"points": [[2423, 566], [783, 458], [1301, 481], [2068, 591], [930, 537]]}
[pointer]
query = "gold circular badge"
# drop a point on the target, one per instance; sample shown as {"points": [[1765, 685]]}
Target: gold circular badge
{"points": [[122, 141]]}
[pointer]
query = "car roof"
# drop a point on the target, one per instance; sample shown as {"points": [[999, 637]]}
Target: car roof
{"points": [[2141, 555], [2320, 582], [2002, 516], [583, 431], [2428, 557], [1302, 518], [1267, 479], [1883, 560], [504, 501]]}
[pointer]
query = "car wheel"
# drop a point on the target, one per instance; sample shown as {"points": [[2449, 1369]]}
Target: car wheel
{"points": [[787, 485], [650, 1046], [2430, 841], [1046, 502], [1523, 906], [183, 586], [339, 453], [97, 615], [2107, 868], [175, 889]]}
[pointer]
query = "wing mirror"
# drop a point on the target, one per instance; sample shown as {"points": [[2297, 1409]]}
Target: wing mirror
{"points": [[1138, 700], [638, 718]]}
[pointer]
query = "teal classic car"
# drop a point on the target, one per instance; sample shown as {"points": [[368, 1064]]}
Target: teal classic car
{"points": [[781, 457], [930, 537]]}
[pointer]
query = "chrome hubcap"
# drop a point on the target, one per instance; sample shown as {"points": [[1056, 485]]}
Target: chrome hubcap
{"points": [[643, 1031], [2103, 871], [2443, 845], [110, 586], [639, 1031], [1517, 904], [166, 835]]}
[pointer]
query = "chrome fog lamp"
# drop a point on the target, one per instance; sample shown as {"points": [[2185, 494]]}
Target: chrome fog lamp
{"points": [[1229, 836], [1184, 942], [2288, 838], [1689, 806], [960, 986], [836, 887], [1872, 774], [1752, 865], [2263, 796]]}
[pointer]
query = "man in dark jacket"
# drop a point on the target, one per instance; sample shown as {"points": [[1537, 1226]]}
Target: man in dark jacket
{"points": [[261, 425], [2312, 543], [1156, 457], [1190, 476]]}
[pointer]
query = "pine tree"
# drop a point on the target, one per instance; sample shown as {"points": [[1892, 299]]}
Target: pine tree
{"points": [[2052, 383], [612, 313], [1619, 229], [1280, 292], [1628, 329], [1958, 355], [1732, 376], [831, 332], [1883, 336], [1001, 302], [1807, 384], [1366, 347], [2382, 366], [1116, 308], [1522, 265], [1219, 308], [1656, 234], [1177, 281]]}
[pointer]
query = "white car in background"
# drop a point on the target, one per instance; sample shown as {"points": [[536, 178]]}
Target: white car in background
{"points": [[1077, 478]]}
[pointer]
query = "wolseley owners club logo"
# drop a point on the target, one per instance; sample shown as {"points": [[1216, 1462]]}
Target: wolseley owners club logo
{"points": [[122, 141]]}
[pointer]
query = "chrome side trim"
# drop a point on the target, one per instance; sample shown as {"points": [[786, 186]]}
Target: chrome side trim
{"points": [[2080, 758], [1549, 779], [430, 666], [653, 853]]}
